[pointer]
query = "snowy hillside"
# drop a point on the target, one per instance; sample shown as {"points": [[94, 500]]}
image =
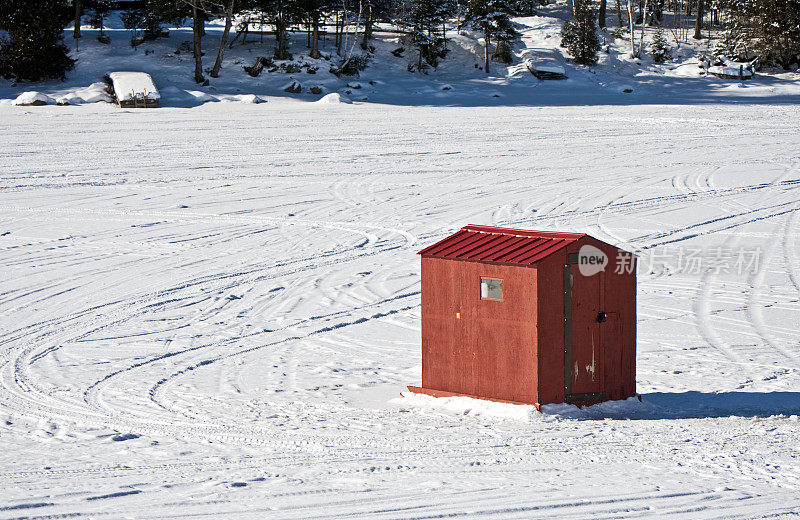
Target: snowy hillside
{"points": [[458, 80], [212, 312]]}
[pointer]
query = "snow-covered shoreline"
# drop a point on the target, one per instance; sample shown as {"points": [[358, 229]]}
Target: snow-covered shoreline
{"points": [[457, 81]]}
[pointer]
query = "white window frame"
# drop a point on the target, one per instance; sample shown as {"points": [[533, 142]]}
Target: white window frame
{"points": [[487, 297]]}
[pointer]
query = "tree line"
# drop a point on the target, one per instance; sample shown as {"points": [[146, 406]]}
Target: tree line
{"points": [[32, 47], [767, 31]]}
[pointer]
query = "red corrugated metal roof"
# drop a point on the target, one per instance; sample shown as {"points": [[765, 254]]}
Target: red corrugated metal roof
{"points": [[502, 245]]}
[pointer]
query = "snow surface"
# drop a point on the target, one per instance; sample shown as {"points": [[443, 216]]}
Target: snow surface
{"points": [[212, 312]]}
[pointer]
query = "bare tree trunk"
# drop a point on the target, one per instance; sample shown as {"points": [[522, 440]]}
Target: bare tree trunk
{"points": [[225, 32], [632, 29], [367, 32], [458, 19], [76, 32], [367, 29], [641, 35], [698, 22], [486, 50], [339, 32], [315, 39], [601, 15], [197, 31], [280, 35], [619, 13], [658, 14]]}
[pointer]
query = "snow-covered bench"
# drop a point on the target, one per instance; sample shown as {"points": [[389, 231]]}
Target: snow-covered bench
{"points": [[731, 69], [135, 89], [726, 72]]}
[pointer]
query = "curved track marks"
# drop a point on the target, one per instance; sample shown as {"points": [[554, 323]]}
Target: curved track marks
{"points": [[242, 317]]}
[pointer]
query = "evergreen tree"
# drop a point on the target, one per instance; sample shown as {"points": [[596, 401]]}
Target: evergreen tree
{"points": [[771, 27], [523, 7], [280, 14], [579, 36], [733, 43], [133, 20], [100, 11], [492, 17], [34, 48], [659, 47], [313, 13], [427, 19], [175, 12]]}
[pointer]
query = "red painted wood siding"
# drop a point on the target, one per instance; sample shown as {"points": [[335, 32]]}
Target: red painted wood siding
{"points": [[490, 350], [618, 334], [550, 283]]}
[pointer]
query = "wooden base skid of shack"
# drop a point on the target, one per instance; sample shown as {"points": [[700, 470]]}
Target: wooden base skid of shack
{"points": [[442, 393], [577, 401]]}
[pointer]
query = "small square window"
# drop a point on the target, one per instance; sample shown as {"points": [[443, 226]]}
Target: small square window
{"points": [[491, 289]]}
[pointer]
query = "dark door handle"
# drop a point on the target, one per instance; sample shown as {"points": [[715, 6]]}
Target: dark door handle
{"points": [[601, 317]]}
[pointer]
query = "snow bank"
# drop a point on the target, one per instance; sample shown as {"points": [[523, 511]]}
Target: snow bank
{"points": [[94, 93], [177, 97], [630, 408], [134, 85], [201, 97], [250, 99], [33, 98], [334, 99]]}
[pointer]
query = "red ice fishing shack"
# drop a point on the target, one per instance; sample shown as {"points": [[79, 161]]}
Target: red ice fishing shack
{"points": [[531, 317]]}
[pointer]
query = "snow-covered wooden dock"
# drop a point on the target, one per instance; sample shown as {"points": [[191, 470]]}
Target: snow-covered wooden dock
{"points": [[134, 90]]}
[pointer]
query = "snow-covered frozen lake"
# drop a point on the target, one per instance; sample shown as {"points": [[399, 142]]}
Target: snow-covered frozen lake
{"points": [[212, 312]]}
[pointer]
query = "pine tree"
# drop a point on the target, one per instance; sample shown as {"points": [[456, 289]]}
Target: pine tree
{"points": [[133, 20], [175, 12], [34, 48], [659, 47], [732, 44], [280, 15], [492, 17], [579, 36], [100, 11], [523, 7], [312, 12], [427, 19], [772, 27]]}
